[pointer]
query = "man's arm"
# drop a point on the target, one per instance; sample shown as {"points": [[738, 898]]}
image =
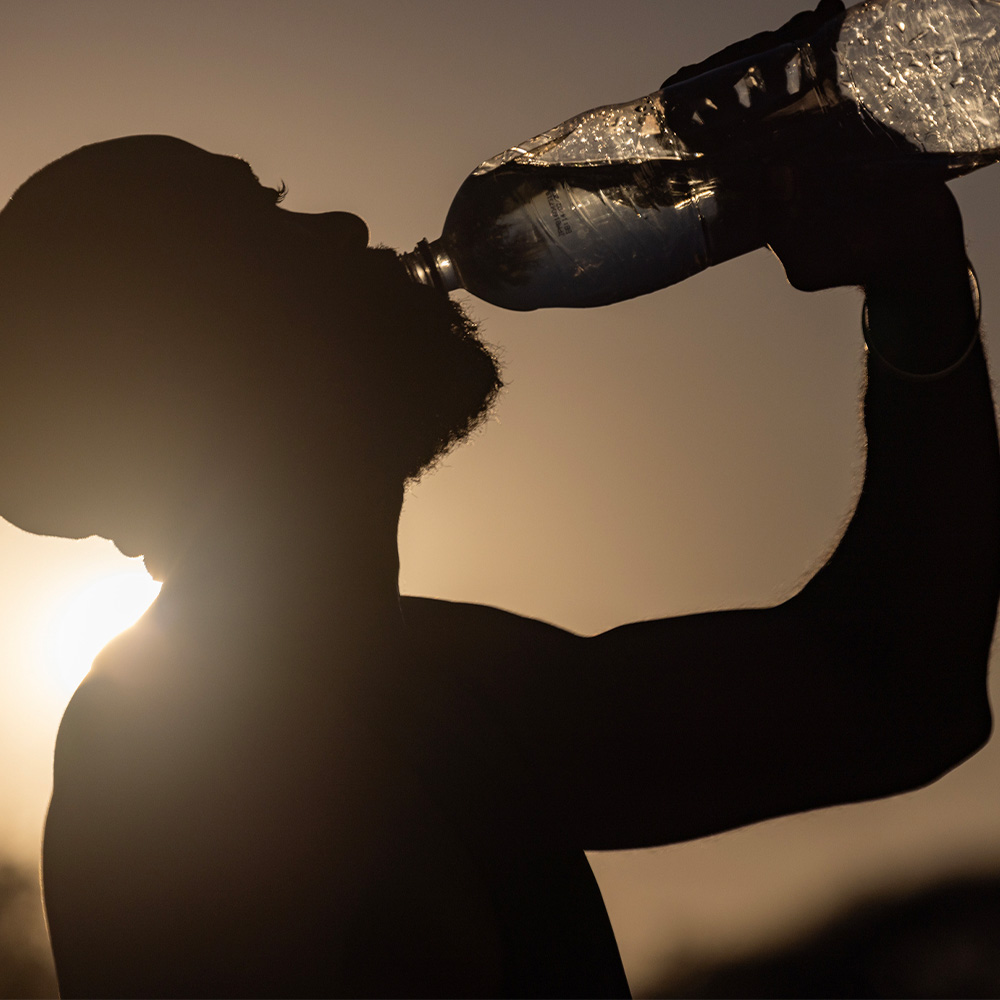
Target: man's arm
{"points": [[869, 682]]}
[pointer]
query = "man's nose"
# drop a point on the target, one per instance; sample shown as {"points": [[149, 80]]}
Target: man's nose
{"points": [[341, 230]]}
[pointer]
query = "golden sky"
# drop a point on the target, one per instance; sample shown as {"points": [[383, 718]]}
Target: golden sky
{"points": [[695, 449]]}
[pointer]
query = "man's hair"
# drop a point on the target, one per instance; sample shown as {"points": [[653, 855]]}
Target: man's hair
{"points": [[120, 306]]}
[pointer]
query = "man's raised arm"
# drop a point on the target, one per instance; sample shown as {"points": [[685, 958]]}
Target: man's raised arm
{"points": [[869, 682]]}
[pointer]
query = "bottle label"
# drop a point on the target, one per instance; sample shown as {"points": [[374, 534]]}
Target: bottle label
{"points": [[559, 217]]}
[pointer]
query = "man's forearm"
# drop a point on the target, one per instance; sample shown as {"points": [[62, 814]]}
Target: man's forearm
{"points": [[916, 577]]}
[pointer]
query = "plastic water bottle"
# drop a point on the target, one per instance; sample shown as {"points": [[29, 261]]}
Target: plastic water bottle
{"points": [[629, 198]]}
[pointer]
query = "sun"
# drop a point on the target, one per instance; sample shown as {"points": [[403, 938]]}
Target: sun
{"points": [[93, 615]]}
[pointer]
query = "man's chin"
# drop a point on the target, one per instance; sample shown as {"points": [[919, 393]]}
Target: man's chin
{"points": [[456, 396], [428, 377]]}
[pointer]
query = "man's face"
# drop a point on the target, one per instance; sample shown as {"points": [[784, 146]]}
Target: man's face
{"points": [[404, 358]]}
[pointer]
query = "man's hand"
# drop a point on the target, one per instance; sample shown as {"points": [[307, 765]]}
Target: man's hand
{"points": [[833, 214], [897, 235], [710, 114]]}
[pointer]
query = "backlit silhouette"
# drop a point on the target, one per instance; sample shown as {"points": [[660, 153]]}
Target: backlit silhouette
{"points": [[286, 780]]}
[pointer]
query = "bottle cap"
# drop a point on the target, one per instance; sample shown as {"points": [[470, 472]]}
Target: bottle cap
{"points": [[429, 264]]}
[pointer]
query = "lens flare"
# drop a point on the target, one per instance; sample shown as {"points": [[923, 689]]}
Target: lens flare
{"points": [[90, 617]]}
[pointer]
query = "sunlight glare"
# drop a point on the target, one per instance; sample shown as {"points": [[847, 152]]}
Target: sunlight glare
{"points": [[89, 618]]}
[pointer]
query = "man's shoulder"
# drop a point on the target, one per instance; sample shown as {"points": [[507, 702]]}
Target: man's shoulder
{"points": [[432, 620], [94, 712], [515, 664], [109, 701]]}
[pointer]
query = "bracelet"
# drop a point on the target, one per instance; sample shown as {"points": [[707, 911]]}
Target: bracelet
{"points": [[931, 376]]}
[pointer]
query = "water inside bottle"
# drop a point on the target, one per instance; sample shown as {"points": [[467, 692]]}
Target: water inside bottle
{"points": [[588, 234]]}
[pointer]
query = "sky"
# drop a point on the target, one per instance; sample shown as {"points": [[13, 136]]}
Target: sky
{"points": [[695, 449]]}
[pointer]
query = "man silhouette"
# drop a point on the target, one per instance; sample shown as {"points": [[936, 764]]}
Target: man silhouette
{"points": [[286, 780]]}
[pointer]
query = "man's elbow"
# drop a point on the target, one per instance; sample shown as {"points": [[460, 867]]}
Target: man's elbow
{"points": [[916, 691], [928, 745], [968, 733]]}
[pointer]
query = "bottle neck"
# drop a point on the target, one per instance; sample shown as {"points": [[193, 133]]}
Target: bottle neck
{"points": [[430, 264]]}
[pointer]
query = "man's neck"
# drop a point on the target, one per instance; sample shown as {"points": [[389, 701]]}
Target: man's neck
{"points": [[329, 570]]}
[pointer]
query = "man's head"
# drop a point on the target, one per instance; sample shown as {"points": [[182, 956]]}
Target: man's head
{"points": [[166, 329]]}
